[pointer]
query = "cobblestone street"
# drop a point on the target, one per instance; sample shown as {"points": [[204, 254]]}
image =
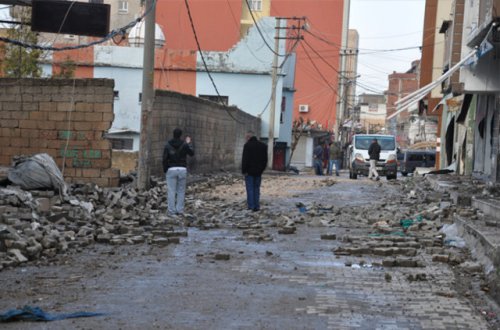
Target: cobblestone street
{"points": [[241, 270]]}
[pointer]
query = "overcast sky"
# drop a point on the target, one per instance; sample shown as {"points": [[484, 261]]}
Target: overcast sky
{"points": [[386, 24]]}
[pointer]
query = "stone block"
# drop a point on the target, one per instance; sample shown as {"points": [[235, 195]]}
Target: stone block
{"points": [[440, 258], [222, 256], [19, 257]]}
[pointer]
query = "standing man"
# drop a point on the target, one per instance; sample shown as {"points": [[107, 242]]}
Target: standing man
{"points": [[335, 157], [318, 159], [253, 164], [374, 152], [326, 156], [174, 166]]}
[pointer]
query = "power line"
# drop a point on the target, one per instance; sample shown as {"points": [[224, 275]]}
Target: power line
{"points": [[319, 71], [112, 34], [260, 32], [338, 72], [205, 63]]}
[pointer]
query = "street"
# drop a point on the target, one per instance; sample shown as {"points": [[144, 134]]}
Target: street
{"points": [[323, 253]]}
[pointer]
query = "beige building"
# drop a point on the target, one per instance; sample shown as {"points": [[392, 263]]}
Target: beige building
{"points": [[372, 113], [260, 8]]}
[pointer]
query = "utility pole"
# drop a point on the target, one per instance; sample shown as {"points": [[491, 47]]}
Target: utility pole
{"points": [[342, 79], [144, 169], [272, 109]]}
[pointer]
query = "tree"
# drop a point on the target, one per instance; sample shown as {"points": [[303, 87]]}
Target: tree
{"points": [[22, 62], [298, 129]]}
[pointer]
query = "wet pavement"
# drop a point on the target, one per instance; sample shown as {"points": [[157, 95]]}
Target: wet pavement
{"points": [[222, 279]]}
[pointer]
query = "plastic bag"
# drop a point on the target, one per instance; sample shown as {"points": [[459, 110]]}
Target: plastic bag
{"points": [[37, 172]]}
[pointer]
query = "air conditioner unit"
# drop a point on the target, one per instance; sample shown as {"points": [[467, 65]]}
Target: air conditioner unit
{"points": [[304, 108]]}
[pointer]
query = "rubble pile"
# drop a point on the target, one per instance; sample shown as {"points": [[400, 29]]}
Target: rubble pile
{"points": [[41, 224]]}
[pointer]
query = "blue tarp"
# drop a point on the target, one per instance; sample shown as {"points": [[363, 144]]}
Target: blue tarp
{"points": [[28, 313]]}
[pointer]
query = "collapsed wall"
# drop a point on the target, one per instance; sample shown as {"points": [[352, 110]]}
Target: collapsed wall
{"points": [[218, 132], [65, 118]]}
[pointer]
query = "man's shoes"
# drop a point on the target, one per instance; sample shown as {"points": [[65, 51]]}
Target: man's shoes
{"points": [[377, 178], [256, 210]]}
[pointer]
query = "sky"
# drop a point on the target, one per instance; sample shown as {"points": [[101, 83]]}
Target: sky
{"points": [[385, 24]]}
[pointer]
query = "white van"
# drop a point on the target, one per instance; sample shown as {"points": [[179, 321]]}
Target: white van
{"points": [[359, 160]]}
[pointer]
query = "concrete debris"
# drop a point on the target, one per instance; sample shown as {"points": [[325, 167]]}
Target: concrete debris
{"points": [[329, 236], [222, 256]]}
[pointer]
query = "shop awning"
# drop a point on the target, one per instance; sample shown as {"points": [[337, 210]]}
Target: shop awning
{"points": [[413, 98]]}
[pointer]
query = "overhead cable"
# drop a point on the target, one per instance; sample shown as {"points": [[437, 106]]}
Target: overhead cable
{"points": [[205, 63], [112, 34], [260, 32]]}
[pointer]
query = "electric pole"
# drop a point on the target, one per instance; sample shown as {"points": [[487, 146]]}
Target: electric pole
{"points": [[342, 100], [147, 99], [274, 73], [272, 109]]}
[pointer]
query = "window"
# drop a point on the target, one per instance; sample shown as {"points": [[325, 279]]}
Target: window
{"points": [[121, 144], [140, 97], [122, 6], [116, 94], [283, 109], [96, 1], [416, 158], [255, 5], [215, 98]]}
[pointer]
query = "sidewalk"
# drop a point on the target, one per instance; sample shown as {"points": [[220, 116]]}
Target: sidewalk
{"points": [[478, 221]]}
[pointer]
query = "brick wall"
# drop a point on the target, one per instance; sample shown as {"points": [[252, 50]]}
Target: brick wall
{"points": [[218, 138], [64, 118]]}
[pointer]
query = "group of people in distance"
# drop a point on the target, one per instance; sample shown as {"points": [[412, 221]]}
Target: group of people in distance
{"points": [[325, 156], [254, 162]]}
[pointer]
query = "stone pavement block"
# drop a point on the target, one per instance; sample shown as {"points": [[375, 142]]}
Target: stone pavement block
{"points": [[488, 206]]}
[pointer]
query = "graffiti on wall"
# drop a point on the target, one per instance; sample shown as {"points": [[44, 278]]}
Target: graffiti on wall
{"points": [[81, 156]]}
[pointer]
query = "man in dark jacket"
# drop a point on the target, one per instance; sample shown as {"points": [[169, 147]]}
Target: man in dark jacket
{"points": [[253, 163], [318, 159], [335, 158], [374, 152], [174, 166]]}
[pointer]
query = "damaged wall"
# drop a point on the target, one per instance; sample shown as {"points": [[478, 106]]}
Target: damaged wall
{"points": [[218, 138], [64, 118]]}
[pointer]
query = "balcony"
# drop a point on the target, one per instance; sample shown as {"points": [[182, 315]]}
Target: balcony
{"points": [[488, 12]]}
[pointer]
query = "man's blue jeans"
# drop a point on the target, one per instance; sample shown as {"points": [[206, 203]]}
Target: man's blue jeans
{"points": [[252, 183], [318, 166], [176, 189], [337, 166]]}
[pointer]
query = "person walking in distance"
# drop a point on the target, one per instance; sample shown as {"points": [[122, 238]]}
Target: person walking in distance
{"points": [[253, 164], [374, 152], [318, 159], [326, 156], [174, 166], [335, 157]]}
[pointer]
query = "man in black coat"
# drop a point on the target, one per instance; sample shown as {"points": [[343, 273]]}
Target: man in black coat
{"points": [[374, 152], [253, 163]]}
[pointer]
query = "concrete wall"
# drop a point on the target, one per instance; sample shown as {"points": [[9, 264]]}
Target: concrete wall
{"points": [[125, 161], [218, 138], [63, 118], [443, 13]]}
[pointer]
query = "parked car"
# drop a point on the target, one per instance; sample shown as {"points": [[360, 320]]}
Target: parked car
{"points": [[359, 160], [417, 158]]}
